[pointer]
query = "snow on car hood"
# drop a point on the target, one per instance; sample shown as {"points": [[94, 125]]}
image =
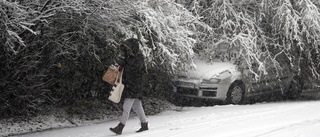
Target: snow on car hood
{"points": [[205, 70]]}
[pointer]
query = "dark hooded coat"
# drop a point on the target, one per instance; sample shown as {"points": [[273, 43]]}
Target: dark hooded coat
{"points": [[134, 69]]}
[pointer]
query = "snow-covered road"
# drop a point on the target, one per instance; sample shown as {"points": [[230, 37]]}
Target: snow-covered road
{"points": [[277, 119]]}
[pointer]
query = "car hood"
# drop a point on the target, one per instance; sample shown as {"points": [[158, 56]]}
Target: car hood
{"points": [[205, 70]]}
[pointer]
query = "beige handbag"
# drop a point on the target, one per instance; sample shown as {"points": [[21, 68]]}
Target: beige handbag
{"points": [[111, 75], [117, 89]]}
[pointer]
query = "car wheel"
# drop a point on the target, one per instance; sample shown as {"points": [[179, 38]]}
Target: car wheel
{"points": [[235, 93], [295, 89]]}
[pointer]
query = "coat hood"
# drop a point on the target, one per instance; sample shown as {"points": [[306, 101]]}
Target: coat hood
{"points": [[132, 46]]}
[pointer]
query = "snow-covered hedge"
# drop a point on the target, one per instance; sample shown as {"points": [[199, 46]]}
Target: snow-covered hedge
{"points": [[54, 52]]}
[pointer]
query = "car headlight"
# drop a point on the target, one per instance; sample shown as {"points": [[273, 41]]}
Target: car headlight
{"points": [[211, 81]]}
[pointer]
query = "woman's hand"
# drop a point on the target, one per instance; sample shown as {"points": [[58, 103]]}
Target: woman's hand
{"points": [[120, 68]]}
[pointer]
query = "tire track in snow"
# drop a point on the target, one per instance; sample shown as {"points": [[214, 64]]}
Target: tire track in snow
{"points": [[298, 124], [225, 122]]}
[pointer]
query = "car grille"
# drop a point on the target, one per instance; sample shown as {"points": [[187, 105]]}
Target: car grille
{"points": [[187, 91], [208, 88], [209, 91]]}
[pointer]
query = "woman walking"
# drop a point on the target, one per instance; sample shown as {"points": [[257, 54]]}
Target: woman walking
{"points": [[134, 69]]}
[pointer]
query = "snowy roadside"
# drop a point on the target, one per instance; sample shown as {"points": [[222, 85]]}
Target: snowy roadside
{"points": [[265, 119], [41, 123], [10, 127], [59, 119]]}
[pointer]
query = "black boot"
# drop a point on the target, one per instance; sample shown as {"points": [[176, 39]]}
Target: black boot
{"points": [[117, 129], [144, 127]]}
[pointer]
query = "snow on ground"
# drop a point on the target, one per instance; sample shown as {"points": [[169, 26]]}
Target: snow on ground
{"points": [[276, 119]]}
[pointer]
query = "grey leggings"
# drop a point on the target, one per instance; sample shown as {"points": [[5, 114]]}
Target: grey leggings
{"points": [[136, 105]]}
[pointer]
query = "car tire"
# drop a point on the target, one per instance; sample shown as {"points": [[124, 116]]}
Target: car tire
{"points": [[236, 93], [295, 88]]}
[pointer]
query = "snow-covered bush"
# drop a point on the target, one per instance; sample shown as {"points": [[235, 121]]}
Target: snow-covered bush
{"points": [[167, 29], [296, 32], [235, 35], [262, 32], [55, 52]]}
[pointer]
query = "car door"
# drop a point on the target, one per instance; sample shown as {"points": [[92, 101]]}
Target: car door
{"points": [[255, 83], [272, 79]]}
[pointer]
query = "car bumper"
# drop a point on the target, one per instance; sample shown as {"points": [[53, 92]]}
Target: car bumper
{"points": [[210, 91]]}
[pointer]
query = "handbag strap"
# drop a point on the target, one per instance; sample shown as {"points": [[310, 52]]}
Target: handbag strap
{"points": [[120, 75]]}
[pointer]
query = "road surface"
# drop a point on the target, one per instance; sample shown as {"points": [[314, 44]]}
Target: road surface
{"points": [[275, 119]]}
